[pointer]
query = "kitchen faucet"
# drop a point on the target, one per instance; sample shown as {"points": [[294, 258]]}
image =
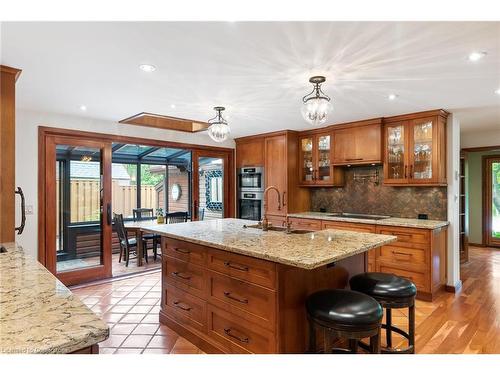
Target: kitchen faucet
{"points": [[265, 222]]}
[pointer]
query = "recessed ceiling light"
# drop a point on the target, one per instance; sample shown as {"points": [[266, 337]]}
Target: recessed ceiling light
{"points": [[147, 68], [475, 56], [392, 96], [172, 106], [83, 108], [497, 91]]}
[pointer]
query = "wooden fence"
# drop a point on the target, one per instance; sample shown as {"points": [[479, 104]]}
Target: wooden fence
{"points": [[85, 199]]}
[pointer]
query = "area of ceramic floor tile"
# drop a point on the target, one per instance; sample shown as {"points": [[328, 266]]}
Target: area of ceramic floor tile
{"points": [[130, 307]]}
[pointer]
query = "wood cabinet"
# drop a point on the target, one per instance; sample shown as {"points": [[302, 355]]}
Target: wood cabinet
{"points": [[358, 144], [250, 152], [246, 305], [415, 149], [418, 254], [7, 152], [315, 161]]}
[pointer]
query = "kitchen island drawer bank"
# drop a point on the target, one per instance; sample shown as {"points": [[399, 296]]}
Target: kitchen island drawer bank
{"points": [[248, 294]]}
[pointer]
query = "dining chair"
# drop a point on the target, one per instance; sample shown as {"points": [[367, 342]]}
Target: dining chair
{"points": [[143, 214], [177, 217], [126, 244]]}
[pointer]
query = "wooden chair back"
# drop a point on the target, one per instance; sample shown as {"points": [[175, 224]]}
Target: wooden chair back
{"points": [[142, 214], [120, 229], [176, 217]]}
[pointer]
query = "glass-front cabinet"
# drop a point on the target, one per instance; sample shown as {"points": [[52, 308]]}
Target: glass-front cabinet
{"points": [[415, 151], [315, 161]]}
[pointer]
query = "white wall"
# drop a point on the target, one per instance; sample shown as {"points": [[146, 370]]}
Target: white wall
{"points": [[27, 123], [453, 178], [480, 138]]}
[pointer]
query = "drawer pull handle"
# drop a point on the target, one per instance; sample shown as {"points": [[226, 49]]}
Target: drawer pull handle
{"points": [[400, 253], [236, 266], [229, 295], [181, 306], [227, 331], [178, 274], [353, 159], [182, 251]]}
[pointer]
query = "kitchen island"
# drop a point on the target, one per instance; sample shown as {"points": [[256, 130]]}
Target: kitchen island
{"points": [[231, 288], [38, 314]]}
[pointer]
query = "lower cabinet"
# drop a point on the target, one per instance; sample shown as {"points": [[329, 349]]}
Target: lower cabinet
{"points": [[418, 254]]}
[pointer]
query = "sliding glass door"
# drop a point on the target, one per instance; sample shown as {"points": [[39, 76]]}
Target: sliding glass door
{"points": [[492, 200], [78, 209]]}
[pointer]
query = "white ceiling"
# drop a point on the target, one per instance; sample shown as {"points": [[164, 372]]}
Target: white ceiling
{"points": [[258, 70]]}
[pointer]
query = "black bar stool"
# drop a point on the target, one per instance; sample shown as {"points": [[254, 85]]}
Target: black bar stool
{"points": [[344, 314], [392, 292]]}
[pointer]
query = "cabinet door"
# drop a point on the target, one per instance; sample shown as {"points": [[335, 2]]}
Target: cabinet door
{"points": [[345, 148], [250, 153], [422, 150], [396, 153], [276, 172], [306, 159], [323, 172], [368, 144]]}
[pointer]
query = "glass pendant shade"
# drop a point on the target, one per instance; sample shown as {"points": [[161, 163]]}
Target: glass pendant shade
{"points": [[316, 105], [219, 129], [315, 111]]}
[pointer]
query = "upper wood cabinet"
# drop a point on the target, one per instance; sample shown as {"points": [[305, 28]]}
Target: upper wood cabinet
{"points": [[358, 144], [250, 152], [315, 161], [415, 149]]}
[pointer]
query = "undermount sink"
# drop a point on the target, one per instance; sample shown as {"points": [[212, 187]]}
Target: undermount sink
{"points": [[358, 216], [3, 250], [279, 229]]}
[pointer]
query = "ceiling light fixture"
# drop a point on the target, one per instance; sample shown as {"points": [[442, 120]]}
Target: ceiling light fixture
{"points": [[475, 56], [392, 96], [147, 68], [219, 129], [172, 106], [83, 108], [497, 91], [316, 104]]}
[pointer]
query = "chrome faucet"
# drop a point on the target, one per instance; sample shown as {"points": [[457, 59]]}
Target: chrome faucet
{"points": [[265, 222]]}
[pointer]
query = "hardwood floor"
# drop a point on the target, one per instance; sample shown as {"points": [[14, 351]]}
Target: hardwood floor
{"points": [[466, 322]]}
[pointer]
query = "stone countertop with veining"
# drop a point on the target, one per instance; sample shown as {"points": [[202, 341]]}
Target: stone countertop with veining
{"points": [[38, 314], [308, 250], [392, 221]]}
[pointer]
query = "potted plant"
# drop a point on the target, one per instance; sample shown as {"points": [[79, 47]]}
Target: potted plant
{"points": [[160, 219]]}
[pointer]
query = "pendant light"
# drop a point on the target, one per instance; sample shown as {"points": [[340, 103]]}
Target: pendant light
{"points": [[316, 105], [219, 129]]}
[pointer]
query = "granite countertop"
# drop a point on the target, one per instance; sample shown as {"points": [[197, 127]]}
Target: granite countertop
{"points": [[38, 314], [308, 251], [393, 221]]}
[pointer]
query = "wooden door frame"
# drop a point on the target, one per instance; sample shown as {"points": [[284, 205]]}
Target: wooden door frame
{"points": [[227, 210], [103, 270], [486, 186], [44, 132]]}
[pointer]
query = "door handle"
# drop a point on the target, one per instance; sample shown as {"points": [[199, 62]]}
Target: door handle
{"points": [[108, 213], [23, 210]]}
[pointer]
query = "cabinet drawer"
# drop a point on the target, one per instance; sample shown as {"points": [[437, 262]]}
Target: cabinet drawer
{"points": [[237, 334], [407, 237], [185, 276], [364, 228], [239, 297], [257, 271], [404, 255], [185, 307], [311, 224], [186, 251], [420, 279]]}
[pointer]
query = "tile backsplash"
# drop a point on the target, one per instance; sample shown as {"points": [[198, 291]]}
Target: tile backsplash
{"points": [[365, 196]]}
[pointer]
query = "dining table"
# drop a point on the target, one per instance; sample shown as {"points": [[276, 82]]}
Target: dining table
{"points": [[139, 227]]}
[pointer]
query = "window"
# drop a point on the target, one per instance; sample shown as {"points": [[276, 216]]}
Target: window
{"points": [[124, 188], [153, 186], [216, 189]]}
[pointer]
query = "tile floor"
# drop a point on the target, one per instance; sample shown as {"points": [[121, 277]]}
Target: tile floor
{"points": [[130, 308]]}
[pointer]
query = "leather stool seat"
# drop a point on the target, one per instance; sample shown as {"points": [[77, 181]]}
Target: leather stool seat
{"points": [[383, 285], [344, 307]]}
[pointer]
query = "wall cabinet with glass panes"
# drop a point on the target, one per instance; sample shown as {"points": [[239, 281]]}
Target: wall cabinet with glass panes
{"points": [[315, 161], [415, 149]]}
